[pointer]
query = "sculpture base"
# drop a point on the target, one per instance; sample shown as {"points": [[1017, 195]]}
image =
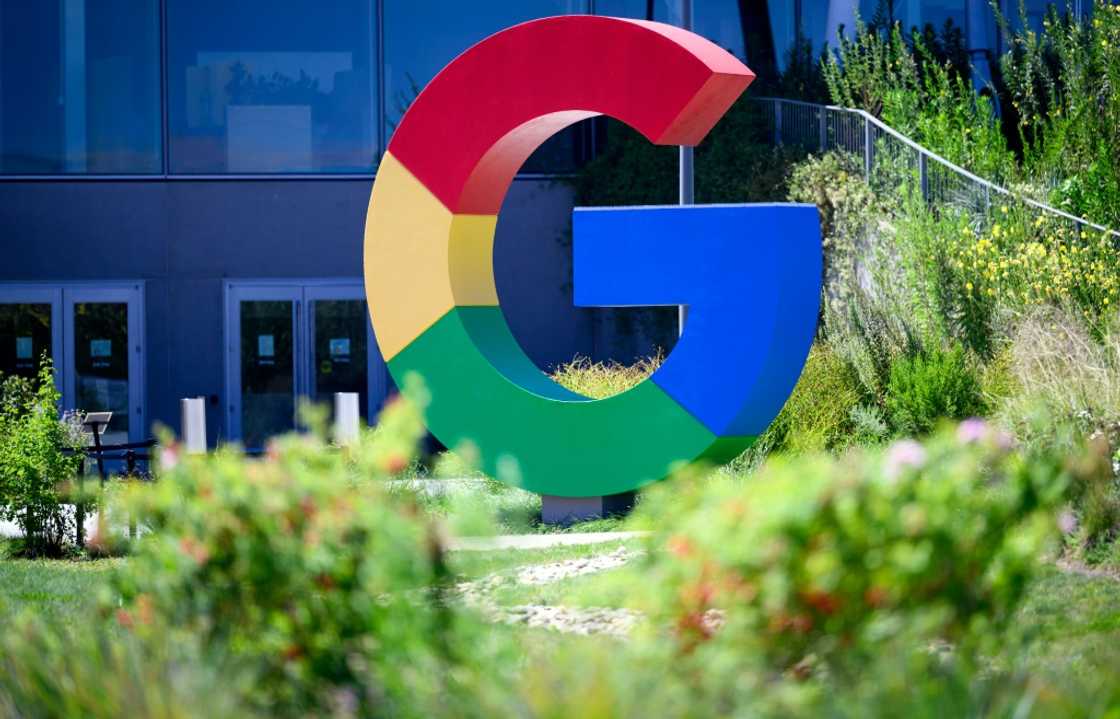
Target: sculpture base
{"points": [[568, 510]]}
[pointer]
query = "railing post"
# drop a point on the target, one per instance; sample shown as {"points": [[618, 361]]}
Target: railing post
{"points": [[823, 138], [777, 122], [923, 175], [866, 149]]}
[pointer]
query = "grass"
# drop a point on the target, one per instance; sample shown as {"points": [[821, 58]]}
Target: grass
{"points": [[1071, 625], [53, 589], [599, 380]]}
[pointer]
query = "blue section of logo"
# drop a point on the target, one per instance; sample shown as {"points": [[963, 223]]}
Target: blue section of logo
{"points": [[751, 278]]}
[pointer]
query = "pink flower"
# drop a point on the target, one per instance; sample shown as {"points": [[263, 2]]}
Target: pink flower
{"points": [[972, 430], [169, 456], [903, 454], [1067, 522]]}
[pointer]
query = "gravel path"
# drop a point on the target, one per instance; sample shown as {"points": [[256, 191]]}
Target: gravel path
{"points": [[573, 620], [539, 541]]}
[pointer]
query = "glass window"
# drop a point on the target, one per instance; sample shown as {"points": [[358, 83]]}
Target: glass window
{"points": [[79, 86], [718, 20], [421, 36], [911, 14], [258, 86]]}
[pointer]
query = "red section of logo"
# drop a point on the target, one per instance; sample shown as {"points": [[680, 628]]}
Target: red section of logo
{"points": [[475, 124]]}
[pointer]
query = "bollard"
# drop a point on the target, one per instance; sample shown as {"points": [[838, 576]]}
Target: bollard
{"points": [[346, 416], [193, 412]]}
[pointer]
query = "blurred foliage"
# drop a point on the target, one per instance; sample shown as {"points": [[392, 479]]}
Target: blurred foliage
{"points": [[817, 566], [303, 570]]}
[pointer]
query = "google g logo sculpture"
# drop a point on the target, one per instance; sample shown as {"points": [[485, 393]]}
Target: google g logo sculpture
{"points": [[750, 274]]}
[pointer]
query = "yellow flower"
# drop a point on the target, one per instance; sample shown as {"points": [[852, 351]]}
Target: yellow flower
{"points": [[968, 286]]}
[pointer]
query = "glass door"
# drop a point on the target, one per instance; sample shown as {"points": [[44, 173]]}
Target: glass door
{"points": [[290, 340], [339, 347], [104, 360], [263, 326], [30, 327]]}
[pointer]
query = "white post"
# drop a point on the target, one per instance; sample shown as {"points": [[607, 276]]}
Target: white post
{"points": [[193, 414], [345, 417]]}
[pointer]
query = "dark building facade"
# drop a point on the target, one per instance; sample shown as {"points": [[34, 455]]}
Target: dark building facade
{"points": [[183, 188]]}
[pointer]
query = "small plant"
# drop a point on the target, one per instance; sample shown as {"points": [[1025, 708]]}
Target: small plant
{"points": [[34, 469], [599, 380], [930, 386]]}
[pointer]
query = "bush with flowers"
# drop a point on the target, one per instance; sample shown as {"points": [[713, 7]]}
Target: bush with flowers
{"points": [[817, 563], [304, 570]]}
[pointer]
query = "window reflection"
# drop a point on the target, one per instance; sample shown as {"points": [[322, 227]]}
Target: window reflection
{"points": [[421, 36], [79, 86], [271, 87], [911, 15], [718, 20]]}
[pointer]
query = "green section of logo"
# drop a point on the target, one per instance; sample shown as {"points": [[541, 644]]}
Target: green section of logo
{"points": [[485, 391]]}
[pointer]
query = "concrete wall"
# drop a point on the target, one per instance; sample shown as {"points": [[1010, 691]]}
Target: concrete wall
{"points": [[185, 237]]}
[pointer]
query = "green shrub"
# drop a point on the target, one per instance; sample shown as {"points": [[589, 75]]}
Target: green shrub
{"points": [[33, 467], [930, 386], [306, 573], [821, 566], [834, 183]]}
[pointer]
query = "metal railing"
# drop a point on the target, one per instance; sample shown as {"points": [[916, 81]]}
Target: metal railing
{"points": [[891, 157]]}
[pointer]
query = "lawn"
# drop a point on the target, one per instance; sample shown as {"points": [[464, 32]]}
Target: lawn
{"points": [[52, 589]]}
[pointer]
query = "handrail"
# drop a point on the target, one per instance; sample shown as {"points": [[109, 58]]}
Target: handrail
{"points": [[927, 154]]}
